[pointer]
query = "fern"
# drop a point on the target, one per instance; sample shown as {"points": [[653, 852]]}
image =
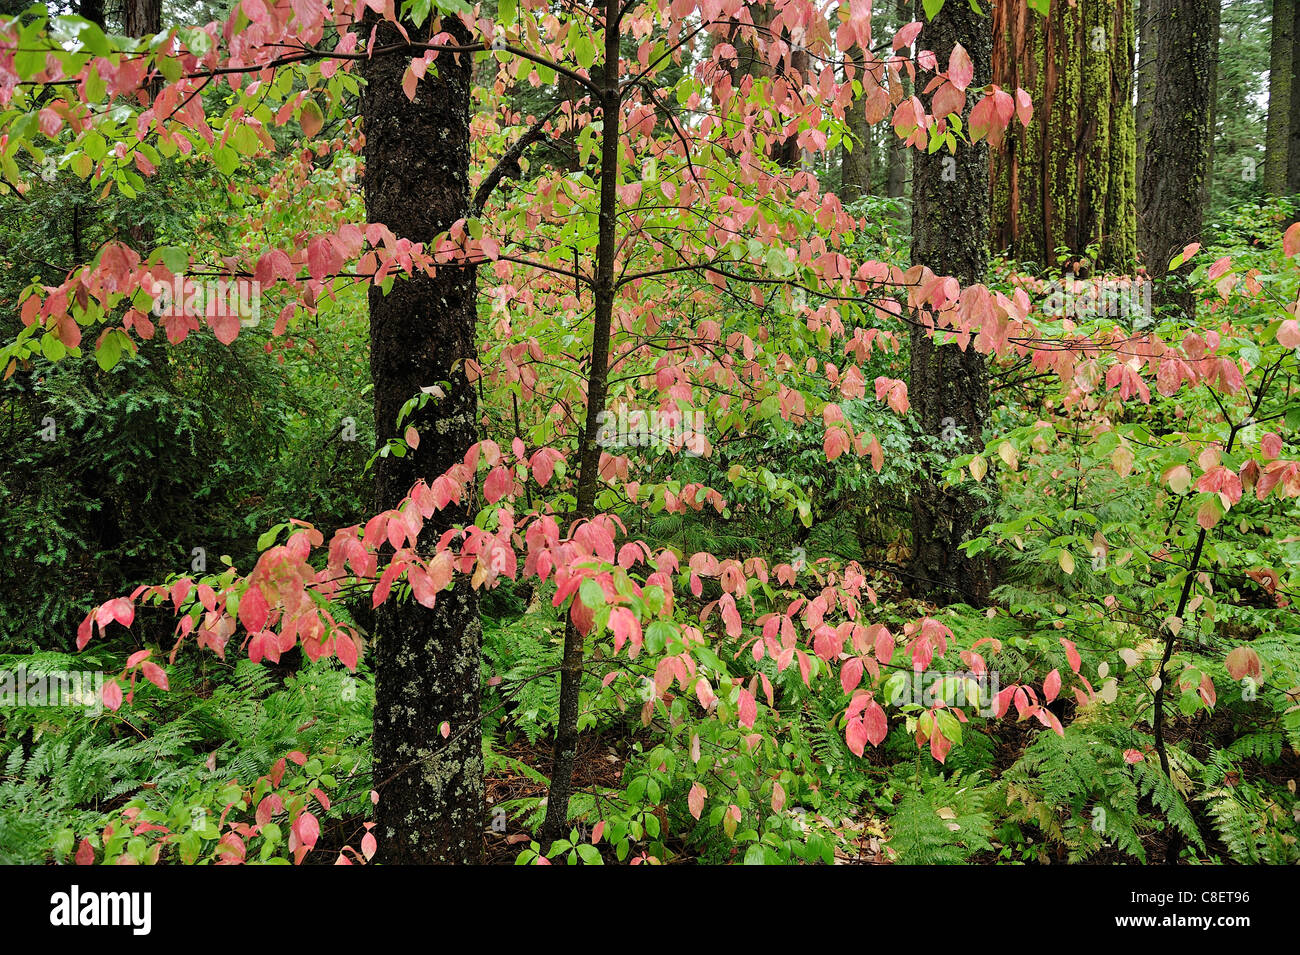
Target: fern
{"points": [[939, 822]]}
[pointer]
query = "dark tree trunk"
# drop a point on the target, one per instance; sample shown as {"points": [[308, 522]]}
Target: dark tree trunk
{"points": [[1177, 163], [92, 10], [142, 17], [565, 750], [1067, 181], [896, 176], [1146, 84], [950, 223], [1277, 143], [1211, 128], [855, 165], [1293, 126], [431, 805]]}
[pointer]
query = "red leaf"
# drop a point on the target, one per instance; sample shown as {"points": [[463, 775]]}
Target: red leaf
{"points": [[939, 745], [851, 674], [625, 627], [85, 853], [323, 258], [1243, 662], [121, 610]]}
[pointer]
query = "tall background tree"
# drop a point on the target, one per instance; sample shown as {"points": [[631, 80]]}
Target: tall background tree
{"points": [[855, 159], [1279, 97], [1241, 104], [1146, 33]]}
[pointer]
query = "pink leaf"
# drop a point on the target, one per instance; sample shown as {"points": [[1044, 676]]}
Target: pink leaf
{"points": [[1291, 240], [253, 610], [1071, 654], [960, 69], [155, 674], [851, 674], [875, 723], [497, 484], [111, 693], [307, 829], [748, 709], [1052, 685], [695, 801]]}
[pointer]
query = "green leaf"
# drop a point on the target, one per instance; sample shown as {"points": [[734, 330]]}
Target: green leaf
{"points": [[177, 260]]}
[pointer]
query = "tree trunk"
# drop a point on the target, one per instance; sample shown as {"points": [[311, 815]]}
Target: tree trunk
{"points": [[1172, 208], [1146, 85], [565, 750], [92, 10], [1067, 181], [1211, 128], [1293, 126], [949, 387], [142, 17], [896, 177], [855, 165], [431, 805], [1277, 144]]}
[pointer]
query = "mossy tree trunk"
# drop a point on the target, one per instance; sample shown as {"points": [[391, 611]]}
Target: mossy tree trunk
{"points": [[1068, 181], [948, 387], [426, 660]]}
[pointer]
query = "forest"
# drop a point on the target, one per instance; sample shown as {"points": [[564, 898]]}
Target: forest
{"points": [[651, 432]]}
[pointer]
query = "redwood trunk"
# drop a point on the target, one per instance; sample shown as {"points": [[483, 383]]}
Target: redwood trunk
{"points": [[1067, 181], [142, 17]]}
